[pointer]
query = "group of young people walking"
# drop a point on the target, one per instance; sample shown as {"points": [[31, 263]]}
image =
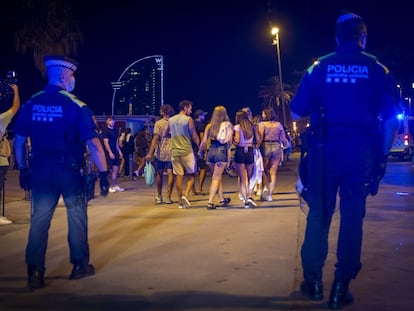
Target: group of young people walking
{"points": [[180, 145]]}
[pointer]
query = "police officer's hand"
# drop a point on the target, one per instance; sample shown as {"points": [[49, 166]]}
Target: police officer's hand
{"points": [[24, 179], [104, 183]]}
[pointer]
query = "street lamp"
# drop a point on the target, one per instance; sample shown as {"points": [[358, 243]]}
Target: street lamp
{"points": [[408, 99], [400, 88], [275, 33]]}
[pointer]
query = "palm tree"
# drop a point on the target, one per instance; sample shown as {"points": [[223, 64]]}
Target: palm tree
{"points": [[271, 95], [48, 28]]}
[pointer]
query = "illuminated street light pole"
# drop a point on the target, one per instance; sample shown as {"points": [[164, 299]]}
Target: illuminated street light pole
{"points": [[400, 87], [410, 99], [275, 33]]}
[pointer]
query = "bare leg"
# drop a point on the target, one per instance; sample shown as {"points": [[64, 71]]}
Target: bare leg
{"points": [[159, 181], [266, 167], [121, 166], [170, 183], [273, 175], [179, 186], [216, 186], [249, 174], [115, 170], [201, 179], [141, 163], [190, 184], [243, 186]]}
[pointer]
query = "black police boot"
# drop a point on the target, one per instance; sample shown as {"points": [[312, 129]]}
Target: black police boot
{"points": [[340, 295], [81, 271], [312, 290], [35, 278]]}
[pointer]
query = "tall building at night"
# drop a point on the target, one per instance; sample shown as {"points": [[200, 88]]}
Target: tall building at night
{"points": [[139, 89]]}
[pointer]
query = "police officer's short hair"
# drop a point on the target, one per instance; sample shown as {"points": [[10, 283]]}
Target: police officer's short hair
{"points": [[350, 27]]}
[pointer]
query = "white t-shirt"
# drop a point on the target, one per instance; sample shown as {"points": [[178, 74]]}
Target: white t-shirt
{"points": [[243, 142]]}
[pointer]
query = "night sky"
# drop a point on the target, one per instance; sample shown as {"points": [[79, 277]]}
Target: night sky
{"points": [[215, 52]]}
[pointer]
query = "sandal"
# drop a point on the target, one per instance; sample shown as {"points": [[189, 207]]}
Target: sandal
{"points": [[211, 206], [200, 193], [225, 202]]}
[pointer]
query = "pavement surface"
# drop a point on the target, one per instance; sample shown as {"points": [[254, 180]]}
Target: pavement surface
{"points": [[159, 257]]}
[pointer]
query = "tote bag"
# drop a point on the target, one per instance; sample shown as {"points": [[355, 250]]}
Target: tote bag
{"points": [[149, 173]]}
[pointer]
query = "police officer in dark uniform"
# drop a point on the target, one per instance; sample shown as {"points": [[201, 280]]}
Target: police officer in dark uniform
{"points": [[350, 99], [59, 127]]}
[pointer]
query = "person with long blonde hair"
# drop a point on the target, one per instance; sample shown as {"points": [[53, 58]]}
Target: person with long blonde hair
{"points": [[220, 133]]}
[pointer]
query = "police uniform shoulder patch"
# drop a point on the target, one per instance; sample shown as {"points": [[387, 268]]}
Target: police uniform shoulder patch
{"points": [[369, 55], [375, 59], [387, 71], [310, 69], [317, 62], [37, 94], [322, 58], [73, 98]]}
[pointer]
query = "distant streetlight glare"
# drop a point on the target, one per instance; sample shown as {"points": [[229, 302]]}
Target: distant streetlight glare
{"points": [[400, 87], [275, 30], [275, 33]]}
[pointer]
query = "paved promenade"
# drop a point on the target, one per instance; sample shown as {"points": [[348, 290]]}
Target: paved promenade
{"points": [[159, 257]]}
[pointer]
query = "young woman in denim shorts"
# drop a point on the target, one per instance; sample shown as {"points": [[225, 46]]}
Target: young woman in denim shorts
{"points": [[273, 135], [217, 154]]}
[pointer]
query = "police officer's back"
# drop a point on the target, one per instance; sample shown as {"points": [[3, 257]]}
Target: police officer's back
{"points": [[59, 127], [345, 93]]}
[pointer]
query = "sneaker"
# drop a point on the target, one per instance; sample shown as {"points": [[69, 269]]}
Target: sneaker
{"points": [[225, 202], [181, 206], [169, 201], [185, 201], [265, 194], [112, 189], [80, 271], [246, 204], [241, 197], [118, 188], [269, 198], [251, 202], [158, 199], [5, 221]]}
